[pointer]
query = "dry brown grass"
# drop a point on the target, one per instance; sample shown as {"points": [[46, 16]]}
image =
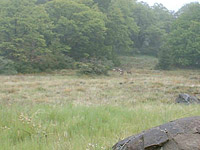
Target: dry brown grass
{"points": [[143, 99], [143, 85]]}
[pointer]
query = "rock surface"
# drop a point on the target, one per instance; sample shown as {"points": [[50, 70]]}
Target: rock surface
{"points": [[187, 99], [181, 134]]}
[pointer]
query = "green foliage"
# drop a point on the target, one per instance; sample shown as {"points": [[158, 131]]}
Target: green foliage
{"points": [[24, 28], [79, 27], [38, 35], [183, 42], [154, 23], [56, 61], [164, 60], [95, 67], [121, 26], [7, 66], [103, 5]]}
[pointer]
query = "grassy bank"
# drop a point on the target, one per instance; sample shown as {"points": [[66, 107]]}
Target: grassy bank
{"points": [[62, 110], [80, 127]]}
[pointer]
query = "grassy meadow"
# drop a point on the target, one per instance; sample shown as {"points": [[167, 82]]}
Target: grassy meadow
{"points": [[66, 111]]}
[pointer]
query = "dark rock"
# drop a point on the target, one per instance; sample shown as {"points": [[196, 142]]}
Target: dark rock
{"points": [[181, 134], [155, 137], [187, 99]]}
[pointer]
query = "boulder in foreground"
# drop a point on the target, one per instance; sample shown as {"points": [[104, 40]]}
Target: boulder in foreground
{"points": [[181, 134]]}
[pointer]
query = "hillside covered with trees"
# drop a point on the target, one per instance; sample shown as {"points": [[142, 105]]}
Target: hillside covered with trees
{"points": [[41, 35]]}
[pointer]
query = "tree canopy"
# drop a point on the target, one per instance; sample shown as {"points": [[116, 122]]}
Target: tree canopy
{"points": [[37, 35], [183, 42]]}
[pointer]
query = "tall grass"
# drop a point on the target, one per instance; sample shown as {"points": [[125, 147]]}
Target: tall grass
{"points": [[63, 111], [49, 127]]}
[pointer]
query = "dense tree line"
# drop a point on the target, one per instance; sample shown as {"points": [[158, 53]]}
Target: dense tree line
{"points": [[182, 45], [38, 35]]}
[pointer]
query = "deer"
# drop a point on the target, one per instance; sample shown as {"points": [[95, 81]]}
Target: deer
{"points": [[121, 71], [118, 70]]}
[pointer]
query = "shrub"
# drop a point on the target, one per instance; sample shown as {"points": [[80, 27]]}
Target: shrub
{"points": [[46, 63], [94, 66], [57, 61], [164, 58], [7, 66]]}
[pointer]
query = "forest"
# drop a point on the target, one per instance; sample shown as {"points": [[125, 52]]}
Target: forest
{"points": [[90, 35]]}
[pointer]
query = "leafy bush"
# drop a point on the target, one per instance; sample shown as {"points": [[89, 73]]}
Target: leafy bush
{"points": [[57, 61], [46, 63], [183, 41], [7, 66], [164, 60], [94, 66]]}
